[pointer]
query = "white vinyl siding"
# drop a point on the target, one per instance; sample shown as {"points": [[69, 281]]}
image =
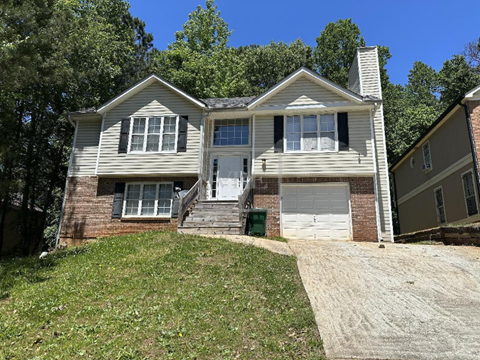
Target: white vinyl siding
{"points": [[354, 77], [148, 200], [303, 92], [358, 160], [86, 147], [155, 100], [369, 72], [370, 84]]}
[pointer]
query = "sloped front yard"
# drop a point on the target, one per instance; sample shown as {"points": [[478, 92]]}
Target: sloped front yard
{"points": [[156, 295]]}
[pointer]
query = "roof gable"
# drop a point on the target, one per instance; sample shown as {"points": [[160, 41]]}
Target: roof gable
{"points": [[318, 80], [142, 85], [473, 94]]}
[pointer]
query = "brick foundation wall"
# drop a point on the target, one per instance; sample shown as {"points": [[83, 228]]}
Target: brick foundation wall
{"points": [[88, 209], [362, 200]]}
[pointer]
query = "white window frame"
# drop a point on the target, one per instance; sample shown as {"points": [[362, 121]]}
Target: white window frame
{"points": [[474, 191], [157, 193], [436, 205], [427, 143], [302, 151], [235, 146], [145, 134]]}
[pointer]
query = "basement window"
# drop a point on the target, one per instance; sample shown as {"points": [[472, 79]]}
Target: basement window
{"points": [[148, 200]]}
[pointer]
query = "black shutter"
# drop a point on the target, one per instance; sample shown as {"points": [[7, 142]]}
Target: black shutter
{"points": [[118, 200], [176, 200], [278, 133], [182, 134], [343, 143], [124, 130]]}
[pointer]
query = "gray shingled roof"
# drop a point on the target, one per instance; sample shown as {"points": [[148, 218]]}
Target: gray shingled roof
{"points": [[228, 103], [90, 110]]}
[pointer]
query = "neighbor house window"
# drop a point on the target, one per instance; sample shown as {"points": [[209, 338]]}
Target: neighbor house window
{"points": [[311, 133], [231, 132], [440, 204], [149, 199], [469, 192], [154, 134], [427, 156]]}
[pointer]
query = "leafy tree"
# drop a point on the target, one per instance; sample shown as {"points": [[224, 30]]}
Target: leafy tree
{"points": [[336, 47], [423, 85], [456, 78], [266, 65], [204, 32], [62, 55]]}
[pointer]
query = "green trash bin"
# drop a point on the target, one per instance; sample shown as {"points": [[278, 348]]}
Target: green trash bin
{"points": [[257, 219]]}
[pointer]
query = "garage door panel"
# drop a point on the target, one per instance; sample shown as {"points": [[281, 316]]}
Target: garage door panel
{"points": [[315, 212]]}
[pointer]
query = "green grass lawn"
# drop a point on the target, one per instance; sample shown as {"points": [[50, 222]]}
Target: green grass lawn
{"points": [[156, 295]]}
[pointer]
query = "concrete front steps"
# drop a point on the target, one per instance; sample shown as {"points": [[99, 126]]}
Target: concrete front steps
{"points": [[212, 218]]}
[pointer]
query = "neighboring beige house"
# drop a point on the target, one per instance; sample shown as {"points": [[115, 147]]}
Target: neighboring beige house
{"points": [[436, 180], [309, 151]]}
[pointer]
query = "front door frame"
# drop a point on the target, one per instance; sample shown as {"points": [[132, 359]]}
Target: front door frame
{"points": [[217, 156]]}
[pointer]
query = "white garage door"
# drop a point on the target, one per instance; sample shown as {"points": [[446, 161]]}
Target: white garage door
{"points": [[317, 212]]}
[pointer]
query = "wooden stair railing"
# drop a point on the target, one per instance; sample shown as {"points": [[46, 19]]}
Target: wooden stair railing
{"points": [[186, 202]]}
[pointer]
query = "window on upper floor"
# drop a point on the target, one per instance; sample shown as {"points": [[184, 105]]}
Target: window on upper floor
{"points": [[148, 199], [311, 133], [233, 132], [469, 193], [427, 157], [153, 134]]}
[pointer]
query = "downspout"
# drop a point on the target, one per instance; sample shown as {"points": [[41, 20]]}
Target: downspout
{"points": [[253, 147], [375, 170], [472, 144], [66, 181]]}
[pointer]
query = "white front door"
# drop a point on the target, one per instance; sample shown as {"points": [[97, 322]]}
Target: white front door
{"points": [[316, 212], [229, 177]]}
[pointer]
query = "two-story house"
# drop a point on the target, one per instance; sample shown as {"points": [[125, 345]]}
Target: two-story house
{"points": [[436, 180], [309, 151]]}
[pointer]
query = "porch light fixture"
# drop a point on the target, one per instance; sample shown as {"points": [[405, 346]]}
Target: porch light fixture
{"points": [[264, 162]]}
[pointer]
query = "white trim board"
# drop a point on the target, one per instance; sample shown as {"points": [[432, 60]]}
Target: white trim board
{"points": [[466, 160]]}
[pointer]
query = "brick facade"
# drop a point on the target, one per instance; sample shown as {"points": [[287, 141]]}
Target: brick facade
{"points": [[362, 200], [88, 209], [474, 110]]}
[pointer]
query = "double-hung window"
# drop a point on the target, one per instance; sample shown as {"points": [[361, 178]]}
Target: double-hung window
{"points": [[148, 199], [440, 204], [154, 134], [311, 133], [427, 157], [469, 192]]}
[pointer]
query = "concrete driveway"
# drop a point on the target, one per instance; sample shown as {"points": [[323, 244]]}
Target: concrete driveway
{"points": [[401, 302]]}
